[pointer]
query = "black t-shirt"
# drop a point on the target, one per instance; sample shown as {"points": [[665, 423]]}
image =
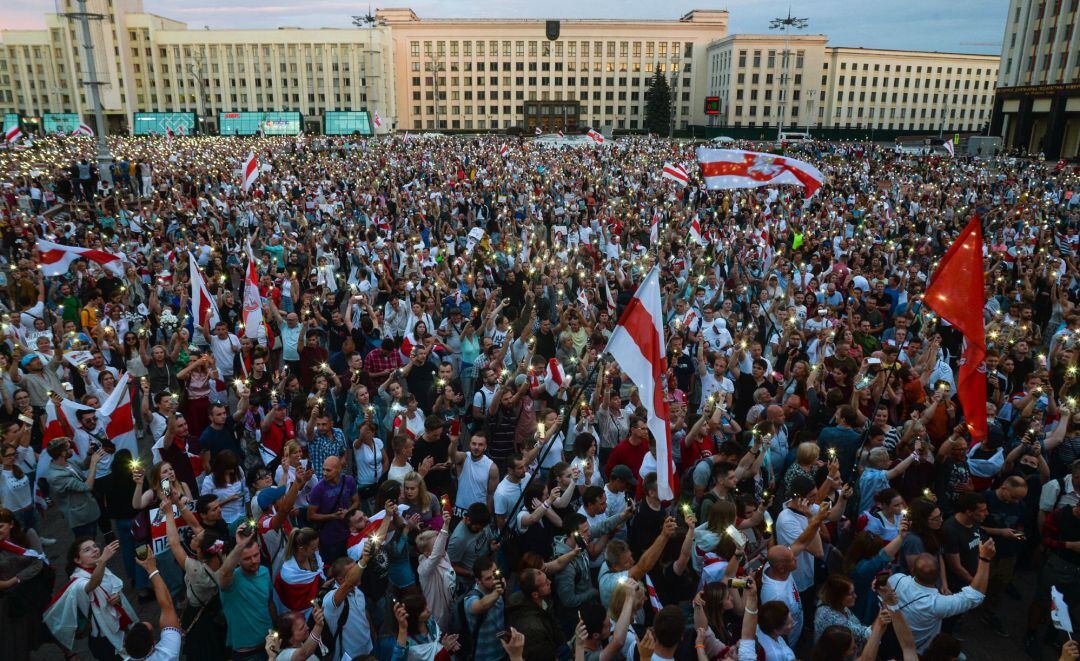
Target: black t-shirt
{"points": [[437, 481], [644, 528], [684, 370], [964, 542], [216, 440], [1004, 515], [545, 344], [421, 378], [335, 336]]}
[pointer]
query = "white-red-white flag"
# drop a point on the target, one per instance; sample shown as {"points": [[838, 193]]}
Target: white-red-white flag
{"points": [[637, 345], [737, 168], [695, 232], [13, 135], [538, 131], [56, 259], [253, 317], [609, 300], [376, 120], [595, 136], [561, 134], [119, 419], [949, 147], [169, 134], [504, 150], [654, 230], [251, 170], [676, 173], [555, 377], [203, 307], [83, 129]]}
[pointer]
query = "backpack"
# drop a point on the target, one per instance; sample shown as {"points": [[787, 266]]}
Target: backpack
{"points": [[467, 636], [331, 636], [470, 422]]}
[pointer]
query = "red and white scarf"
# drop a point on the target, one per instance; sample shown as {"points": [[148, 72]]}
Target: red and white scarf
{"points": [[12, 547]]}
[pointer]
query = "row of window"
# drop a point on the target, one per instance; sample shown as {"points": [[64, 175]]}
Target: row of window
{"points": [[636, 67], [511, 110], [583, 81], [419, 124], [549, 48], [899, 126]]}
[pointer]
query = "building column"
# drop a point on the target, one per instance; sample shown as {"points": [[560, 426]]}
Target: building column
{"points": [[1023, 121], [1055, 130], [997, 118]]}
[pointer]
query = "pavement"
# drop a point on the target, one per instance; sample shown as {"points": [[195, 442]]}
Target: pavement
{"points": [[981, 643]]}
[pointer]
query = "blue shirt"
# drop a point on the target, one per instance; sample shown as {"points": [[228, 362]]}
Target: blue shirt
{"points": [[246, 606], [846, 442], [321, 447]]}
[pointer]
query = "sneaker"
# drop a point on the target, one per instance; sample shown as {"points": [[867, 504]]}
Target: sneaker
{"points": [[1032, 646], [47, 541]]}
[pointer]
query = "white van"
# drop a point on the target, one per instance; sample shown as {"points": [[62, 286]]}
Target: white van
{"points": [[795, 136]]}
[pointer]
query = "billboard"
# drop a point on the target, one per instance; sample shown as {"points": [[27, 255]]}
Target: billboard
{"points": [[159, 123], [346, 122], [712, 105], [65, 123], [248, 123], [11, 120]]}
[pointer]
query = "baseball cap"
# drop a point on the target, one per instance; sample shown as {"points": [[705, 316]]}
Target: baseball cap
{"points": [[623, 472], [268, 496], [27, 358]]}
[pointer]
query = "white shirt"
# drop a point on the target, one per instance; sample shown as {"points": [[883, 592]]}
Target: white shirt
{"points": [[355, 639], [168, 646], [506, 494], [924, 607], [789, 525], [15, 493], [774, 590], [223, 353]]}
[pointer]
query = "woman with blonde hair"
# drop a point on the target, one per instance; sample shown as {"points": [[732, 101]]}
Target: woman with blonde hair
{"points": [[297, 582], [806, 463], [627, 598], [421, 502]]}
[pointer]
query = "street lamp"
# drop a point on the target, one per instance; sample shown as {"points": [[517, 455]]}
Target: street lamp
{"points": [[811, 97], [786, 24], [369, 21], [90, 79], [197, 69]]}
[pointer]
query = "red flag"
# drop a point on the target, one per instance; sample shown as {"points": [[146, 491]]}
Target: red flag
{"points": [[956, 294]]}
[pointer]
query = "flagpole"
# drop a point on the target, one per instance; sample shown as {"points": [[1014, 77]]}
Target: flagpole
{"points": [[575, 402]]}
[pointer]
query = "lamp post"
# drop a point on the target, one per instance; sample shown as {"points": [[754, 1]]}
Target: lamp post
{"points": [[197, 69], [786, 24], [104, 157], [811, 97], [369, 21]]}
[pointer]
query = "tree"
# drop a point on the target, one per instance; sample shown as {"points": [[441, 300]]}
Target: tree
{"points": [[658, 104]]}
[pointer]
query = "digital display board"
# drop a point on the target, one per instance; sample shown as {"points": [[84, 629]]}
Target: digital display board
{"points": [[65, 123], [712, 105], [248, 123], [11, 120], [159, 123], [346, 122]]}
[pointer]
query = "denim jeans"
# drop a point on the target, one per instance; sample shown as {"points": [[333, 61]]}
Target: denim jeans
{"points": [[27, 518], [127, 553]]}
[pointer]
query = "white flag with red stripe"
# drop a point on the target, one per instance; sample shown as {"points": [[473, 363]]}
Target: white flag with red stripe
{"points": [[561, 135], [595, 136], [737, 168], [538, 131], [654, 230], [13, 135], [83, 129], [609, 300], [676, 173], [637, 345], [203, 307], [56, 259], [253, 317], [251, 170], [654, 599], [949, 147], [695, 233], [376, 120], [555, 377], [119, 418], [504, 150]]}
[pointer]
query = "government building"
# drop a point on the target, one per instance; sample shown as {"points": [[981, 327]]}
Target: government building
{"points": [[422, 74]]}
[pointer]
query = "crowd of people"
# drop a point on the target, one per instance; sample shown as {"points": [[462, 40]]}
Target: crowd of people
{"points": [[423, 452]]}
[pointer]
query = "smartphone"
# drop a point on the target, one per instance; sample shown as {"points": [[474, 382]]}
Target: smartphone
{"points": [[166, 488], [504, 636], [110, 537], [142, 552]]}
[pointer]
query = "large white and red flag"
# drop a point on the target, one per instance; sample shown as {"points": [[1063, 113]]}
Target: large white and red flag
{"points": [[637, 345], [251, 170], [253, 317], [56, 259], [83, 129], [737, 168], [504, 150], [676, 173], [595, 136], [203, 307], [13, 135], [376, 120], [695, 233], [555, 377]]}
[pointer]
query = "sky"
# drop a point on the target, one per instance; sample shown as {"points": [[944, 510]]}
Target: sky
{"points": [[970, 26]]}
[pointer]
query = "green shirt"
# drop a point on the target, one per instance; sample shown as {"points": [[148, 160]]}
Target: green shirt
{"points": [[246, 606]]}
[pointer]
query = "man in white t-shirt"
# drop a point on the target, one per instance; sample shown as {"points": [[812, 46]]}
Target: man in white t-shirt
{"points": [[778, 580], [344, 608], [139, 639], [224, 346]]}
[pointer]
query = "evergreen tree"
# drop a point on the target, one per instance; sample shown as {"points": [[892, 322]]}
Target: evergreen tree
{"points": [[658, 105]]}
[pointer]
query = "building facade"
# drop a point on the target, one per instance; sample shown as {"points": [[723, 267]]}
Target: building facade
{"points": [[849, 88], [1038, 102], [147, 63], [491, 74]]}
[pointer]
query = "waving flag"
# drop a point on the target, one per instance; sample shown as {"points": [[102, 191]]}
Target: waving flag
{"points": [[119, 419], [695, 233], [956, 293], [948, 145], [56, 259], [253, 317], [561, 135], [504, 150], [538, 131], [554, 377], [637, 345], [595, 137], [83, 129], [203, 308], [1059, 611], [376, 120], [13, 135], [676, 173], [654, 230], [251, 170], [737, 168]]}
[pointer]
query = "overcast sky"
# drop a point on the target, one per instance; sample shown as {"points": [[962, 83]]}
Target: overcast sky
{"points": [[974, 26]]}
